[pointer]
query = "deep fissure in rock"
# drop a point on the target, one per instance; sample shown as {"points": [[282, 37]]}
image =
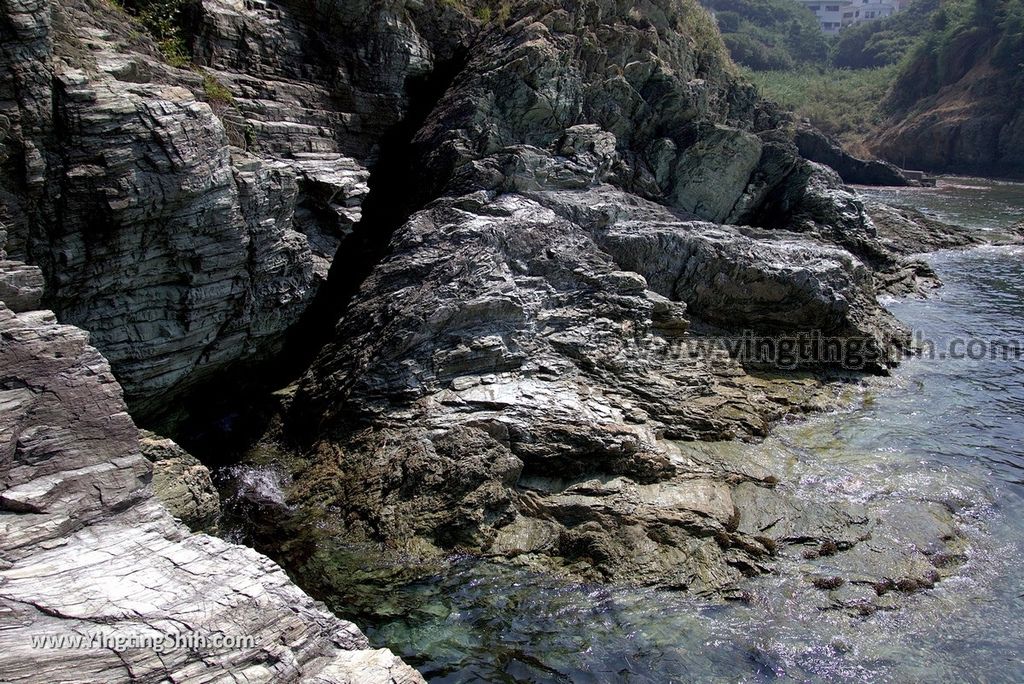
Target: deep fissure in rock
{"points": [[228, 412]]}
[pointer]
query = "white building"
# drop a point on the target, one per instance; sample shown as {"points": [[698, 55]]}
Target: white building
{"points": [[835, 15]]}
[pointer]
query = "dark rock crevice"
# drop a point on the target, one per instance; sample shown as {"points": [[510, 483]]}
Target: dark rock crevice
{"points": [[223, 418]]}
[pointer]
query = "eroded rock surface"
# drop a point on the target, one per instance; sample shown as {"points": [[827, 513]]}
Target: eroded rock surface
{"points": [[591, 195], [182, 483], [514, 377], [87, 553]]}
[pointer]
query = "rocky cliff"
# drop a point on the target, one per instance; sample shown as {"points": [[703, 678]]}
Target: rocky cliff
{"points": [[187, 218], [515, 379], [87, 553], [517, 232], [955, 105]]}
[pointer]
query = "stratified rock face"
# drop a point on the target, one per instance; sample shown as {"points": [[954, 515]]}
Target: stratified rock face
{"points": [[319, 78], [180, 253], [21, 285], [87, 553], [188, 217], [510, 379]]}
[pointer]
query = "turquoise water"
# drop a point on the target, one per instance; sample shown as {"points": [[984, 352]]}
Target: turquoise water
{"points": [[948, 431]]}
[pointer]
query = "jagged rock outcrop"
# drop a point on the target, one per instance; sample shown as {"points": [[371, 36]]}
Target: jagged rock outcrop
{"points": [[524, 374], [816, 146], [906, 232], [181, 483], [88, 556], [188, 218]]}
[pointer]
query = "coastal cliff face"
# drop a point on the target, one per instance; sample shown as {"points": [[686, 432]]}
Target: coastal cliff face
{"points": [[956, 105], [187, 227], [510, 234]]}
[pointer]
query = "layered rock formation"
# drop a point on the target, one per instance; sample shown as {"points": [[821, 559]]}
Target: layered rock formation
{"points": [[88, 556], [565, 208], [182, 235], [188, 218]]}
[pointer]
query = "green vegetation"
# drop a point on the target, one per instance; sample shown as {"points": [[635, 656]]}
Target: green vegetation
{"points": [[215, 91], [885, 41], [769, 34], [485, 11], [165, 22], [962, 34], [695, 21], [877, 68], [841, 102]]}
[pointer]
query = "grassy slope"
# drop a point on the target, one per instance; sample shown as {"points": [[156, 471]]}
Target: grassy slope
{"points": [[841, 102]]}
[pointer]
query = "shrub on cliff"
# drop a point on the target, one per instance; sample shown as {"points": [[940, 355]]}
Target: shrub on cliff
{"points": [[769, 34]]}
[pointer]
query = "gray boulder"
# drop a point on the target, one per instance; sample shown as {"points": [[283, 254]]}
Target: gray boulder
{"points": [[817, 147], [181, 483]]}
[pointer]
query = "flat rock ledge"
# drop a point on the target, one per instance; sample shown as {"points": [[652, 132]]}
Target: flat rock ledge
{"points": [[91, 562]]}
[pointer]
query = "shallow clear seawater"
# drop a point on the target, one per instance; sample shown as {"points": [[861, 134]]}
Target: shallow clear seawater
{"points": [[945, 430]]}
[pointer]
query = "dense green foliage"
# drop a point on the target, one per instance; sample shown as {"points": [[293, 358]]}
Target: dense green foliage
{"points": [[885, 41], [769, 34], [962, 34], [880, 68], [841, 102], [165, 21]]}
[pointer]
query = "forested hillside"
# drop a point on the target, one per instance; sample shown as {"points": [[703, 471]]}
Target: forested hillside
{"points": [[769, 34]]}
